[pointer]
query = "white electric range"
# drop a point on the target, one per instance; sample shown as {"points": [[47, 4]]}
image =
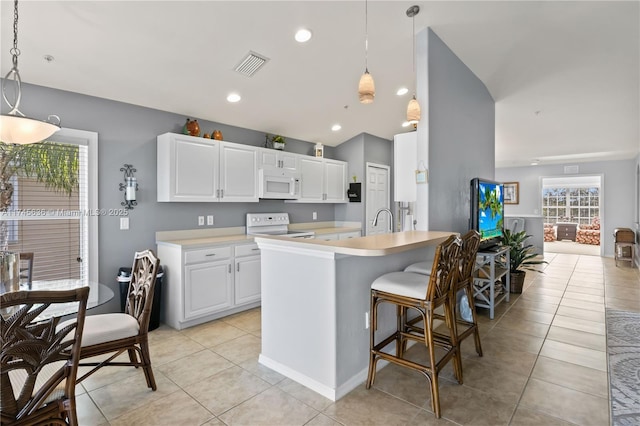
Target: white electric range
{"points": [[273, 224]]}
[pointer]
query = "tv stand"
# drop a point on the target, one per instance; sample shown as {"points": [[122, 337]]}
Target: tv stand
{"points": [[491, 265]]}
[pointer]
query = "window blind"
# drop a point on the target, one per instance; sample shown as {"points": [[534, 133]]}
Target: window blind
{"points": [[52, 224]]}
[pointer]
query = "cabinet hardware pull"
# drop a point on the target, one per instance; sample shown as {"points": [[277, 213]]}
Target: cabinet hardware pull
{"points": [[255, 249], [238, 267], [229, 268], [210, 254]]}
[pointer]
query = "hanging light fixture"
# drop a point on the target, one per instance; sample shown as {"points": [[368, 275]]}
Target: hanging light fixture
{"points": [[366, 88], [413, 109], [15, 127]]}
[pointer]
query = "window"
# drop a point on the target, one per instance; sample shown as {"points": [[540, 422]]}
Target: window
{"points": [[576, 204], [60, 229]]}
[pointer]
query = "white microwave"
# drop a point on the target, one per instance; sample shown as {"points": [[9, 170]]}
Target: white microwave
{"points": [[278, 184]]}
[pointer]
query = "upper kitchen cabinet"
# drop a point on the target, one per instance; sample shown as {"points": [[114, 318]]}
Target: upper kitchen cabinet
{"points": [[335, 178], [323, 180], [278, 159], [204, 170], [238, 173]]}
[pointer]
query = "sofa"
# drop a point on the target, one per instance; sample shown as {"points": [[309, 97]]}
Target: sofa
{"points": [[549, 233], [590, 233]]}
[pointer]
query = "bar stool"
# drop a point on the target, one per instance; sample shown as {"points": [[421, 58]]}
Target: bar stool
{"points": [[423, 294], [470, 243]]}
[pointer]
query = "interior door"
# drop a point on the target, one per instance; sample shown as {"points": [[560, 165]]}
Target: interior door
{"points": [[377, 188]]}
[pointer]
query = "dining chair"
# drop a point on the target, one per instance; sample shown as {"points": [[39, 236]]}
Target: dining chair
{"points": [[26, 272], [39, 358], [117, 333], [410, 291]]}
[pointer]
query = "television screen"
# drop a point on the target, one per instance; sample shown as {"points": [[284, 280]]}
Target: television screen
{"points": [[487, 210]]}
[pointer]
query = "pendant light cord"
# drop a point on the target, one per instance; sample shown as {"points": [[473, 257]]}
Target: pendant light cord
{"points": [[413, 55], [13, 73], [366, 36]]}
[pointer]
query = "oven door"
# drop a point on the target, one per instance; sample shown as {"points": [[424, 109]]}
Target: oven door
{"points": [[278, 184]]}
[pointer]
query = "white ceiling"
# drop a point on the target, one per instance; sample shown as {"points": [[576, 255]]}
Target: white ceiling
{"points": [[564, 75]]}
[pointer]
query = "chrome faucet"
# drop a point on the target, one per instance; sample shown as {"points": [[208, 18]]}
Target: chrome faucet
{"points": [[375, 219]]}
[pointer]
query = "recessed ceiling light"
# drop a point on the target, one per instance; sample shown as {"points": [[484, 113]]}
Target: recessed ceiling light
{"points": [[233, 97], [406, 124], [336, 127], [402, 91], [303, 35], [535, 162]]}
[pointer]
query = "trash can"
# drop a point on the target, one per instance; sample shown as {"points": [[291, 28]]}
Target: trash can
{"points": [[124, 278]]}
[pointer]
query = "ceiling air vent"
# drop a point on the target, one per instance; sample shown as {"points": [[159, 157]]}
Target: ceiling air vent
{"points": [[250, 64]]}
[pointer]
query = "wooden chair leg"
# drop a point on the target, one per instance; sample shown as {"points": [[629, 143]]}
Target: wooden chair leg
{"points": [[146, 364], [133, 358]]}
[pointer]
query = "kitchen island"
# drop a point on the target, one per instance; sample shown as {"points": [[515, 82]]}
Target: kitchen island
{"points": [[315, 303]]}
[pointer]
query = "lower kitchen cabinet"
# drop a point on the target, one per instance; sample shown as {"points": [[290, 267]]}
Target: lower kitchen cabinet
{"points": [[207, 288], [205, 283]]}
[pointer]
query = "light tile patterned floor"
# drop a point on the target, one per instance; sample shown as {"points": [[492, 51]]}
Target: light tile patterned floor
{"points": [[544, 364]]}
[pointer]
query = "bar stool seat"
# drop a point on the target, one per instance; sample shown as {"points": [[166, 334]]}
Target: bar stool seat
{"points": [[423, 268], [405, 284], [423, 295]]}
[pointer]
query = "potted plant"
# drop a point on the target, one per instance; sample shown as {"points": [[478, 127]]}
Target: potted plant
{"points": [[521, 258], [277, 141]]}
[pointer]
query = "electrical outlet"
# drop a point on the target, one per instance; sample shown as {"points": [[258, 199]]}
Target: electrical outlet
{"points": [[124, 223], [210, 220], [200, 220], [315, 215], [366, 320]]}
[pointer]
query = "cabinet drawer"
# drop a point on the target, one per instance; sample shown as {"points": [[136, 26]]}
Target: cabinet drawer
{"points": [[247, 250], [207, 255]]}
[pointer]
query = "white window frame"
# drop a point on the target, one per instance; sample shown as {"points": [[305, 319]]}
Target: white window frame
{"points": [[89, 139]]}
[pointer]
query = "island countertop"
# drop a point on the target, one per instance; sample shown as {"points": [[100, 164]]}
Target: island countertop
{"points": [[372, 245]]}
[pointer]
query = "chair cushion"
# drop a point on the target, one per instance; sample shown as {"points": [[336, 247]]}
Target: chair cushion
{"points": [[18, 377], [407, 284], [107, 327], [423, 268]]}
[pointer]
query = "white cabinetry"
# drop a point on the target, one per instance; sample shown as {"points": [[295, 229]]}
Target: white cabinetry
{"points": [[278, 159], [247, 274], [238, 173], [335, 181], [323, 180], [195, 169], [337, 236], [347, 235], [205, 283]]}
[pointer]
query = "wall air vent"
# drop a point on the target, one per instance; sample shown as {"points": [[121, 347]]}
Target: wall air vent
{"points": [[250, 64], [571, 170]]}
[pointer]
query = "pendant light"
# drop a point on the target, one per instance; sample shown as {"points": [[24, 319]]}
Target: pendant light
{"points": [[15, 127], [413, 109], [366, 88]]}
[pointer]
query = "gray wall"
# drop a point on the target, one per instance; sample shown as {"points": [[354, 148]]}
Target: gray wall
{"points": [[617, 203], [461, 135], [127, 134], [358, 151]]}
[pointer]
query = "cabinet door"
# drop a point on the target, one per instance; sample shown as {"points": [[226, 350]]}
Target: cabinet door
{"points": [[207, 288], [288, 161], [335, 179], [187, 169], [347, 235], [238, 173], [247, 280], [327, 237], [312, 172]]}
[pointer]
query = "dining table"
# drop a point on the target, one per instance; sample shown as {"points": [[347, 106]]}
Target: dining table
{"points": [[98, 295]]}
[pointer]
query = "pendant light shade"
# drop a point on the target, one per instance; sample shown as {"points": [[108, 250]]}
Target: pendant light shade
{"points": [[413, 111], [15, 128], [366, 88]]}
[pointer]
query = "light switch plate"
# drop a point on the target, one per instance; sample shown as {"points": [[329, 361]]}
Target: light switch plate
{"points": [[200, 220], [210, 220], [315, 215], [124, 223]]}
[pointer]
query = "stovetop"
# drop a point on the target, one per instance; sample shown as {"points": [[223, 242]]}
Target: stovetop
{"points": [[272, 224]]}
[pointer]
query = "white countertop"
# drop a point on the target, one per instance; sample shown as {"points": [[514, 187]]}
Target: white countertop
{"points": [[373, 245]]}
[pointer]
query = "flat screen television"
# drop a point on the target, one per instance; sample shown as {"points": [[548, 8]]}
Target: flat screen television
{"points": [[487, 211]]}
